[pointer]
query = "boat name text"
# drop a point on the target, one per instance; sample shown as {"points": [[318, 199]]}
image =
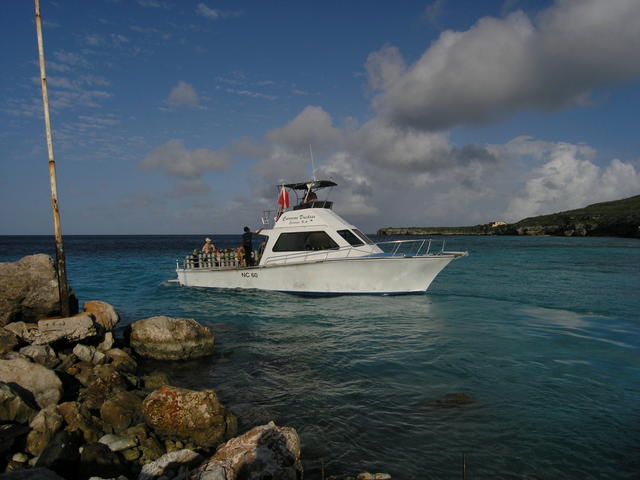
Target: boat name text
{"points": [[299, 219], [249, 274]]}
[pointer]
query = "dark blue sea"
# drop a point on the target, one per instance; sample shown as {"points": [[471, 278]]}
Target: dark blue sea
{"points": [[542, 332]]}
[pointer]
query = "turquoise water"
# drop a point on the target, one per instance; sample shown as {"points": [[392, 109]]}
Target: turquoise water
{"points": [[543, 332]]}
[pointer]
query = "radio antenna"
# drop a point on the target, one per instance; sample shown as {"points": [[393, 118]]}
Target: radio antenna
{"points": [[313, 167]]}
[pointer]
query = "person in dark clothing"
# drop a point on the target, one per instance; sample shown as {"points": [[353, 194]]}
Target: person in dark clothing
{"points": [[247, 244]]}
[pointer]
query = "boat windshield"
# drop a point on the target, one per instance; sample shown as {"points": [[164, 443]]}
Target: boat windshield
{"points": [[350, 237], [363, 236]]}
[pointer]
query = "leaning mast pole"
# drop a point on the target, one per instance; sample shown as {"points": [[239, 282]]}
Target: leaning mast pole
{"points": [[63, 286]]}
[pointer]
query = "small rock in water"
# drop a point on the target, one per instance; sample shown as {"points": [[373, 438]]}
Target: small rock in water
{"points": [[456, 399]]}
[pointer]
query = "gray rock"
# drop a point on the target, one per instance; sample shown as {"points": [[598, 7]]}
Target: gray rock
{"points": [[116, 443], [14, 408], [89, 354], [70, 329], [189, 415], [104, 313], [42, 354], [42, 382], [267, 451], [29, 290], [165, 338], [172, 461], [27, 332], [107, 343], [44, 426]]}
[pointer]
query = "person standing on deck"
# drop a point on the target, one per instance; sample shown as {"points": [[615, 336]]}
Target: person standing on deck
{"points": [[247, 245], [208, 246]]}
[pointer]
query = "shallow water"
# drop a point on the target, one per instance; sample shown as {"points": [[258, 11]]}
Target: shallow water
{"points": [[542, 332]]}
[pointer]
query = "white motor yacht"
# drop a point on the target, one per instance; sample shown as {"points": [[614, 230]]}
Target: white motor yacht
{"points": [[310, 249]]}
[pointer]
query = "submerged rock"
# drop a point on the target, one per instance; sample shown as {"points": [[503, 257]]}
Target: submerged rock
{"points": [[196, 416], [449, 400], [166, 338], [267, 451]]}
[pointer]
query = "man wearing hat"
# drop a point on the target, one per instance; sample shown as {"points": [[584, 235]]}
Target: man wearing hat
{"points": [[208, 246]]}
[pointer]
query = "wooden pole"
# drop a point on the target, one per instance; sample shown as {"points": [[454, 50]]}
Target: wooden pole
{"points": [[63, 286]]}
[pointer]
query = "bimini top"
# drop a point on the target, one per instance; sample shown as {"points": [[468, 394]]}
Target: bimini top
{"points": [[310, 185]]}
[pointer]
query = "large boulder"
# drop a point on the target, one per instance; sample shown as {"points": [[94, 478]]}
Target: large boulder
{"points": [[166, 338], [29, 290], [104, 313], [188, 415], [41, 382], [266, 451], [69, 329]]}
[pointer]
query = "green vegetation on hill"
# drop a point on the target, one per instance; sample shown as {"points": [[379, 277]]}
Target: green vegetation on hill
{"points": [[619, 218]]}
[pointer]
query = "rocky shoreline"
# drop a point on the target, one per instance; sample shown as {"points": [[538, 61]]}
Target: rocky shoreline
{"points": [[74, 403], [619, 218]]}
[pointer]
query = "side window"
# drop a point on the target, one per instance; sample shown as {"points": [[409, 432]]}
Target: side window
{"points": [[363, 236], [300, 241], [350, 237]]}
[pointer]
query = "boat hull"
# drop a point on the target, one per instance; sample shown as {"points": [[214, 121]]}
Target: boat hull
{"points": [[371, 275]]}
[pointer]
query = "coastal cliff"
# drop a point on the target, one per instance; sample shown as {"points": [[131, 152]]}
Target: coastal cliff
{"points": [[619, 218]]}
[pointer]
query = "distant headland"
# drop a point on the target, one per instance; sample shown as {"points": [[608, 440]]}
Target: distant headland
{"points": [[619, 218]]}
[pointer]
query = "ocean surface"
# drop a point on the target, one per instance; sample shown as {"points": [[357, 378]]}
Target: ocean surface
{"points": [[542, 332]]}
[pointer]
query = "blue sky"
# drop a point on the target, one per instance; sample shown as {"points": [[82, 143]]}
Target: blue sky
{"points": [[181, 116]]}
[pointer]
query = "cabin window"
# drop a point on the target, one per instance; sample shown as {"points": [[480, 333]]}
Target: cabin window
{"points": [[363, 236], [300, 241], [350, 237]]}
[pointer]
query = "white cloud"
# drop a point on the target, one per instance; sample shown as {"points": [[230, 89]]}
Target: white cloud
{"points": [[313, 126], [207, 12], [176, 161], [183, 95], [570, 179], [384, 67], [250, 93], [500, 66]]}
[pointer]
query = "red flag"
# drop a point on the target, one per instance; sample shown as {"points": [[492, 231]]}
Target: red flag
{"points": [[283, 198]]}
